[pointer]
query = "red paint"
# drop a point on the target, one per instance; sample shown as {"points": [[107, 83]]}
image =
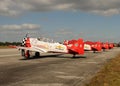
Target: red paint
{"points": [[105, 45], [95, 46], [111, 45], [75, 46], [27, 42]]}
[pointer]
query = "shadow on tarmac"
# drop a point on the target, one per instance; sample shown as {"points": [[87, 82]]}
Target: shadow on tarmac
{"points": [[54, 56]]}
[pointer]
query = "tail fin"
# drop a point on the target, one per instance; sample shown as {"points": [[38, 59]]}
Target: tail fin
{"points": [[80, 46], [76, 46]]}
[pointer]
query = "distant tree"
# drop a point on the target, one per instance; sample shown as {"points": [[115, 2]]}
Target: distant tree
{"points": [[1, 44], [9, 43]]}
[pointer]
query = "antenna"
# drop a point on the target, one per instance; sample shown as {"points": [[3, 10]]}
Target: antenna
{"points": [[26, 35]]}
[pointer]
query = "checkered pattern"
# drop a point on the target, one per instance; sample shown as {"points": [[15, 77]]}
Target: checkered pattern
{"points": [[23, 41]]}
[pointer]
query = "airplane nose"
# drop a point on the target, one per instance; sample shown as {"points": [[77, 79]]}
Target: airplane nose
{"points": [[27, 42]]}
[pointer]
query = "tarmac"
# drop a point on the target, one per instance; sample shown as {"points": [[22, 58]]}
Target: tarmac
{"points": [[52, 69]]}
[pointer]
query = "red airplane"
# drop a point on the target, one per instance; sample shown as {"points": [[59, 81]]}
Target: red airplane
{"points": [[67, 42], [111, 45], [95, 46], [105, 46]]}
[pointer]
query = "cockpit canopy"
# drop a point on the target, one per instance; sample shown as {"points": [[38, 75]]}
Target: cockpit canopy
{"points": [[45, 40]]}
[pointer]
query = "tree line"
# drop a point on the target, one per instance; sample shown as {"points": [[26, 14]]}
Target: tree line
{"points": [[19, 43], [9, 43]]}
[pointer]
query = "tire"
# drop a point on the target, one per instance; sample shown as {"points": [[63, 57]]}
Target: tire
{"points": [[37, 54], [22, 52], [27, 54]]}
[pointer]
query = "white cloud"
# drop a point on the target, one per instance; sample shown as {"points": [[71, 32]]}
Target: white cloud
{"points": [[108, 12], [102, 7], [16, 32], [17, 27]]}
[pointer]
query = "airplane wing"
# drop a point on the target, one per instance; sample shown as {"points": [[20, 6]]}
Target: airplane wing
{"points": [[33, 49]]}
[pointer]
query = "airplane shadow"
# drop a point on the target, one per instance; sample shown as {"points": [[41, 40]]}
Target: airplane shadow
{"points": [[55, 56], [77, 57], [96, 52]]}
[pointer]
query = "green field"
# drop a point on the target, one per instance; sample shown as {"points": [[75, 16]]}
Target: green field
{"points": [[109, 75]]}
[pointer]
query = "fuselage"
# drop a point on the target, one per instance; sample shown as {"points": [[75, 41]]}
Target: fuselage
{"points": [[48, 46]]}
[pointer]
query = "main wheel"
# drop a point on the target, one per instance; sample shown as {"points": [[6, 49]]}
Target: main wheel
{"points": [[22, 52], [37, 54], [27, 54], [74, 55]]}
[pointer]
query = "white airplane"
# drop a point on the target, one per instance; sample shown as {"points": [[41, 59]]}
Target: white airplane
{"points": [[43, 45]]}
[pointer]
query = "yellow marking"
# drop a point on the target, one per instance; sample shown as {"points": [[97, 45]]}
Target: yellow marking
{"points": [[60, 47]]}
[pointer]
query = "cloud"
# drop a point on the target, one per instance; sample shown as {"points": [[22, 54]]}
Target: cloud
{"points": [[16, 32], [18, 27], [101, 7]]}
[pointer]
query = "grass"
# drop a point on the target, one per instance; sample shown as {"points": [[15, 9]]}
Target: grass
{"points": [[109, 75], [4, 47]]}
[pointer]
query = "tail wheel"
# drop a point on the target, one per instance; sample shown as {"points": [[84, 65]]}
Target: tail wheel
{"points": [[37, 54]]}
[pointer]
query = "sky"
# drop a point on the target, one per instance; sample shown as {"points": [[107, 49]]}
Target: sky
{"points": [[93, 20]]}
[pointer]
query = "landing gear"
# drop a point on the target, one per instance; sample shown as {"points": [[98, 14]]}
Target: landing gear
{"points": [[37, 54], [74, 55], [25, 54], [94, 51], [104, 50]]}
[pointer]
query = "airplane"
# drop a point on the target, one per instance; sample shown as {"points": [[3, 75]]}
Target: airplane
{"points": [[86, 46], [111, 45], [107, 45], [44, 45], [95, 46]]}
